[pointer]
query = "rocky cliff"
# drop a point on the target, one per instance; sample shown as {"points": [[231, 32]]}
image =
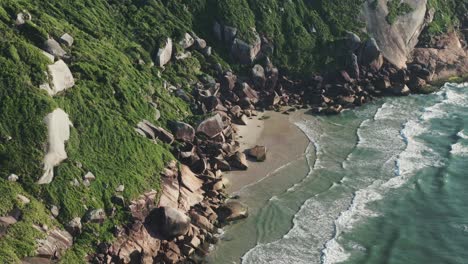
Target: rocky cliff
{"points": [[117, 118]]}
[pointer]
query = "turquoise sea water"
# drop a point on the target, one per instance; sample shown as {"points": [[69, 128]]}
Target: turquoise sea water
{"points": [[385, 183]]}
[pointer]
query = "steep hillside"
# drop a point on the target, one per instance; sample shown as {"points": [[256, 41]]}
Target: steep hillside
{"points": [[123, 73]]}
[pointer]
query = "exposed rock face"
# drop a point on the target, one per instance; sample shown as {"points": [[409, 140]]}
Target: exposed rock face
{"points": [[189, 180], [187, 41], [238, 161], [54, 48], [183, 131], [397, 40], [370, 55], [67, 39], [212, 126], [62, 78], [55, 244], [174, 222], [58, 127], [22, 17], [447, 59], [153, 132], [164, 54], [244, 52]]}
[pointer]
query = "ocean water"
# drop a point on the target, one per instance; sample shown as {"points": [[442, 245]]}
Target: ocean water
{"points": [[385, 183]]}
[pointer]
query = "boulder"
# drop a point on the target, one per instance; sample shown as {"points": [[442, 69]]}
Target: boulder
{"points": [[164, 54], [36, 260], [207, 51], [200, 44], [58, 130], [55, 244], [74, 226], [352, 41], [189, 179], [183, 131], [61, 78], [96, 216], [54, 48], [49, 56], [89, 176], [187, 41], [229, 34], [212, 126], [258, 76], [228, 81], [370, 55], [400, 89], [13, 178], [54, 210], [231, 211], [249, 93], [173, 222], [170, 192], [258, 152], [154, 132], [201, 221], [238, 161], [7, 220], [22, 17], [244, 52], [67, 39]]}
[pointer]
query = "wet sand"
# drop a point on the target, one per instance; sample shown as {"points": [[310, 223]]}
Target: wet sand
{"points": [[285, 142]]}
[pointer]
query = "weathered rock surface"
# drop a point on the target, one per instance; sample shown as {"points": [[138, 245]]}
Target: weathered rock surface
{"points": [[54, 48], [187, 41], [244, 52], [448, 60], [61, 78], [153, 132], [258, 152], [55, 244], [173, 222], [58, 127], [183, 131], [397, 40], [67, 39], [232, 210], [22, 17], [164, 54], [212, 126], [238, 161]]}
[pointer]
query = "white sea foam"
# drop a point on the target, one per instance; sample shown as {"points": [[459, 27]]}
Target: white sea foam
{"points": [[459, 149], [462, 134]]}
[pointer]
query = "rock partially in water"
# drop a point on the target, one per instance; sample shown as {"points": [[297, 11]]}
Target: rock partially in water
{"points": [[232, 210]]}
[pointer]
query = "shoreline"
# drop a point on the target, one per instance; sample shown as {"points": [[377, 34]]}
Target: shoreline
{"points": [[285, 142]]}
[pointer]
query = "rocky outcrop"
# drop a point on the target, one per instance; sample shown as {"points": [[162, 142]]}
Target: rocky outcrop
{"points": [[396, 40], [147, 129], [55, 244], [446, 58], [187, 41], [58, 130], [245, 52], [61, 78], [164, 54]]}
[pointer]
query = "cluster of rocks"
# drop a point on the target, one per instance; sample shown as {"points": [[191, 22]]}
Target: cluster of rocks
{"points": [[190, 41], [180, 227]]}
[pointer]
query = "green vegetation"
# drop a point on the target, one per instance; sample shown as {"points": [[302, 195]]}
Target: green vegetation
{"points": [[397, 8], [115, 44]]}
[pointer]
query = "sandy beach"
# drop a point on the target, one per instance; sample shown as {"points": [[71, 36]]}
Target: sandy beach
{"points": [[284, 141]]}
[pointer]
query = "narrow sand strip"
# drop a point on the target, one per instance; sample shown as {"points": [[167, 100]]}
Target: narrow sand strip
{"points": [[284, 141]]}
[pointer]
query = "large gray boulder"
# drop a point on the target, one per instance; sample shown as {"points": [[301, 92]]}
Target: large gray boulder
{"points": [[54, 48], [395, 40], [187, 41], [370, 55], [55, 244], [67, 39], [164, 53], [244, 52]]}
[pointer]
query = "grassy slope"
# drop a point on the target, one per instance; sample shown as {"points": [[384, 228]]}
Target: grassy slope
{"points": [[113, 92]]}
